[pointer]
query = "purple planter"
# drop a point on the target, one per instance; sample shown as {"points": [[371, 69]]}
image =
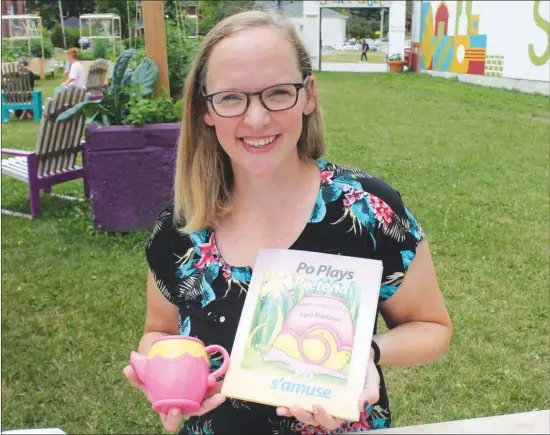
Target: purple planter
{"points": [[130, 173]]}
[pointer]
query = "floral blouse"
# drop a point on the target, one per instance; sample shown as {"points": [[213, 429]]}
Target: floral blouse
{"points": [[356, 214]]}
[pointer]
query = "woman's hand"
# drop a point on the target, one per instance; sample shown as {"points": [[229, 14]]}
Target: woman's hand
{"points": [[369, 396], [172, 420]]}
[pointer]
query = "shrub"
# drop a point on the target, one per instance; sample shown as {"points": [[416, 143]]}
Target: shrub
{"points": [[101, 48], [181, 53], [71, 36]]}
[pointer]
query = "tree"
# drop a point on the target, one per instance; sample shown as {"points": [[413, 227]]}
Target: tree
{"points": [[49, 9], [213, 11]]}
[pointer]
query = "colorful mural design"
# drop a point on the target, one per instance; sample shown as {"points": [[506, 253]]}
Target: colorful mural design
{"points": [[494, 66], [464, 52]]}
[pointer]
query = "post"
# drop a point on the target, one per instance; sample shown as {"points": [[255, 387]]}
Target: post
{"points": [[129, 26], [381, 24], [62, 23], [113, 35], [42, 60], [155, 41]]}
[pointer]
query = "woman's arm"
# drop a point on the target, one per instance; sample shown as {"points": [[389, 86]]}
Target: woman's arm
{"points": [[161, 318], [420, 324]]}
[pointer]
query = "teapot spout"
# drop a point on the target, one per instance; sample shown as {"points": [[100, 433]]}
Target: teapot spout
{"points": [[138, 362]]}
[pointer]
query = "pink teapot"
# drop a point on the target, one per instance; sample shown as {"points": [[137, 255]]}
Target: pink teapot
{"points": [[176, 372]]}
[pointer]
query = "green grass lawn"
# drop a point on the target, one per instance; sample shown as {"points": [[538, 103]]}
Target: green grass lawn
{"points": [[470, 162], [353, 56]]}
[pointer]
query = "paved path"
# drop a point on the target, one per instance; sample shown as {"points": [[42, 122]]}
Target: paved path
{"points": [[354, 67], [535, 422]]}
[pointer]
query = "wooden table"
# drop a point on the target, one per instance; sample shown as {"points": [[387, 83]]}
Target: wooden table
{"points": [[535, 422]]}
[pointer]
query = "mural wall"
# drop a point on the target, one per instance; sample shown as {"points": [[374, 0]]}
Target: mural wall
{"points": [[494, 38]]}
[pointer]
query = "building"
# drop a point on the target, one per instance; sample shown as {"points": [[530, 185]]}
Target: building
{"points": [[476, 40], [12, 7], [333, 24]]}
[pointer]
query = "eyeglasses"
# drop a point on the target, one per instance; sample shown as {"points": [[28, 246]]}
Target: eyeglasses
{"points": [[229, 104]]}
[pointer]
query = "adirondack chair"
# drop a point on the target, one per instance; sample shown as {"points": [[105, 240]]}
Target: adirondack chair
{"points": [[96, 78], [57, 147], [17, 92]]}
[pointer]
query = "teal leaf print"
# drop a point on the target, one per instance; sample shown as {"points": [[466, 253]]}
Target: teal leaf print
{"points": [[387, 291], [185, 327], [198, 238], [407, 256], [322, 164], [241, 274], [331, 192], [186, 269], [416, 229], [207, 292], [364, 213], [349, 180], [319, 210]]}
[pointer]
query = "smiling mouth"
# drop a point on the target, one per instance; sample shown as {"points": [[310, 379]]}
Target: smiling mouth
{"points": [[260, 142]]}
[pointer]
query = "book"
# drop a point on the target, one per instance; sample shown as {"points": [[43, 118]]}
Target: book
{"points": [[305, 332]]}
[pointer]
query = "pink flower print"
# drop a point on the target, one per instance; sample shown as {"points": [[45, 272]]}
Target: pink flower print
{"points": [[209, 253], [352, 196], [226, 271], [326, 176], [382, 211]]}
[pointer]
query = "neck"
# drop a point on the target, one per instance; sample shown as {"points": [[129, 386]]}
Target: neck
{"points": [[250, 191]]}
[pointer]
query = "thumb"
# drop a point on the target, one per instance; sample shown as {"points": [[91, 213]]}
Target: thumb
{"points": [[172, 420], [371, 393]]}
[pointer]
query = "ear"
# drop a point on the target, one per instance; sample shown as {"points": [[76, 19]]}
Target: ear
{"points": [[208, 120], [311, 92]]}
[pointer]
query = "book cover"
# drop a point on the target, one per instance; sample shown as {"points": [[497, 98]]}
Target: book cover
{"points": [[305, 331]]}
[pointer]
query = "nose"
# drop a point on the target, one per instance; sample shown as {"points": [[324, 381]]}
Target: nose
{"points": [[257, 116]]}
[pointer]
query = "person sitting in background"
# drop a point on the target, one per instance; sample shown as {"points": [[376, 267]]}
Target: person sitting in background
{"points": [[77, 75], [27, 113]]}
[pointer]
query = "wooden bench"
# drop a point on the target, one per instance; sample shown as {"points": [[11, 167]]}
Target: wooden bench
{"points": [[17, 93]]}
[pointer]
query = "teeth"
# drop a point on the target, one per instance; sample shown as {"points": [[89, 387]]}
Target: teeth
{"points": [[259, 142]]}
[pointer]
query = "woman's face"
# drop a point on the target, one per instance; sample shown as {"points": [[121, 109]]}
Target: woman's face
{"points": [[258, 142]]}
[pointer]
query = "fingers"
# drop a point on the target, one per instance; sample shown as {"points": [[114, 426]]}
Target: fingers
{"points": [[371, 393], [283, 411], [172, 420], [323, 419], [216, 388], [210, 403], [302, 415], [131, 375]]}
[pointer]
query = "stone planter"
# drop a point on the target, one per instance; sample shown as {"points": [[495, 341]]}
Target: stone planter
{"points": [[130, 173]]}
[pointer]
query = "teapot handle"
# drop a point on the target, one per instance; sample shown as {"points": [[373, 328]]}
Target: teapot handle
{"points": [[213, 377]]}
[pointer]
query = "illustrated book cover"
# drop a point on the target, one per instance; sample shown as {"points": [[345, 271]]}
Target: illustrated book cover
{"points": [[305, 331]]}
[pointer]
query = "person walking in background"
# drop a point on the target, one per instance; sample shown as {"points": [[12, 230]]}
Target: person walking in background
{"points": [[364, 49]]}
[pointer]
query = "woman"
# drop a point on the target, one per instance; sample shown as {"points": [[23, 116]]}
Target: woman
{"points": [[249, 177]]}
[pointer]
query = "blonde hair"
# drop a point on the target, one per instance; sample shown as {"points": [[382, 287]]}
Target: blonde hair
{"points": [[203, 178], [73, 52]]}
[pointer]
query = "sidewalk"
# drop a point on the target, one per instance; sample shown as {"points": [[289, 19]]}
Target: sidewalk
{"points": [[354, 67]]}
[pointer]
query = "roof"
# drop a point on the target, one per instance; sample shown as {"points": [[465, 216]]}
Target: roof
{"points": [[71, 22], [97, 16], [21, 17], [295, 9]]}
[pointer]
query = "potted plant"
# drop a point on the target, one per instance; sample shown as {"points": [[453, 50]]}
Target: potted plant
{"points": [[395, 62], [130, 152]]}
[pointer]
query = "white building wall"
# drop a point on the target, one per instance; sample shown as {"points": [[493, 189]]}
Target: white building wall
{"points": [[333, 30]]}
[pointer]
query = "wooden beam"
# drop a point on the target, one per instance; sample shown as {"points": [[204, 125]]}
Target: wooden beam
{"points": [[155, 41]]}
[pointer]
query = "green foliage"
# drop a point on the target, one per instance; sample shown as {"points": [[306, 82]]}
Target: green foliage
{"points": [[181, 52], [102, 48], [71, 36], [112, 109], [85, 55], [15, 49], [152, 110], [213, 11]]}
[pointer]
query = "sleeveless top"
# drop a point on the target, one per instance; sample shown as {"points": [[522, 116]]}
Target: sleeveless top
{"points": [[356, 214]]}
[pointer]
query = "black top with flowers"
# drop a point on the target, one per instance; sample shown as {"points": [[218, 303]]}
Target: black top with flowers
{"points": [[355, 214]]}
